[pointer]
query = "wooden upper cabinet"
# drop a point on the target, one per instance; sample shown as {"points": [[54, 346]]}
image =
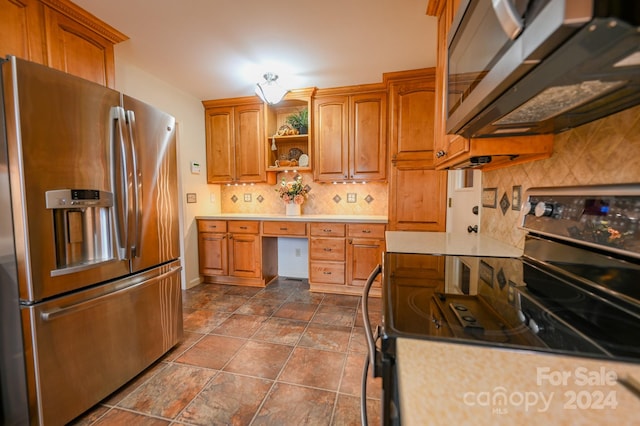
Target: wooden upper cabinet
{"points": [[412, 109], [249, 143], [368, 137], [219, 143], [350, 136], [331, 138], [75, 49], [61, 35], [21, 30], [417, 192], [234, 142]]}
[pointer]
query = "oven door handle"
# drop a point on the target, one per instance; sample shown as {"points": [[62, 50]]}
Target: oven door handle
{"points": [[371, 344]]}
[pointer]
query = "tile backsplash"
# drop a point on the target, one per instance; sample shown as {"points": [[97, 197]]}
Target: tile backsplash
{"points": [[324, 198], [604, 151]]}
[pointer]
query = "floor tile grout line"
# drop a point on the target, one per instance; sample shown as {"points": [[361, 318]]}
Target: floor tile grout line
{"points": [[279, 295]]}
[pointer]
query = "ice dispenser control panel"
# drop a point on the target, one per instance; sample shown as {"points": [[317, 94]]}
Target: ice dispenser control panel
{"points": [[64, 198]]}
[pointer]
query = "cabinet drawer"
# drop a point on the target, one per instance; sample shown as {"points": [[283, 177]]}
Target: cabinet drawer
{"points": [[326, 272], [296, 229], [327, 229], [368, 230], [327, 248], [244, 227], [212, 226]]}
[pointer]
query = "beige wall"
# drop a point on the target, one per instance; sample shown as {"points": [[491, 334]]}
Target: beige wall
{"points": [[605, 151], [189, 114]]}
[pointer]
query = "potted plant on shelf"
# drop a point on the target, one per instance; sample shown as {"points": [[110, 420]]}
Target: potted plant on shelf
{"points": [[300, 121]]}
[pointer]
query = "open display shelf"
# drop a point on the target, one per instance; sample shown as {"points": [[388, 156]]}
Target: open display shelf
{"points": [[287, 147]]}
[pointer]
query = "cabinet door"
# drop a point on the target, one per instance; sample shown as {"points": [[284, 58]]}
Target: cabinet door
{"points": [[77, 50], [363, 254], [368, 137], [249, 143], [20, 30], [417, 199], [446, 146], [219, 126], [212, 253], [244, 255], [331, 138], [412, 119]]}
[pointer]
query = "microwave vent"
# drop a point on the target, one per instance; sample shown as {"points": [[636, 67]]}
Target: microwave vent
{"points": [[558, 99]]}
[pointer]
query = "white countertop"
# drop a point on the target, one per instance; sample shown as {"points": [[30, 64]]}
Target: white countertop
{"points": [[301, 218], [448, 243]]}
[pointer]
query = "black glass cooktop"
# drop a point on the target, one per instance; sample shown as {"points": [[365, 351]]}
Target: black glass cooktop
{"points": [[515, 302]]}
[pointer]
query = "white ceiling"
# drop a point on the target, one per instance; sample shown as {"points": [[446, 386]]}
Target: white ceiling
{"points": [[220, 48]]}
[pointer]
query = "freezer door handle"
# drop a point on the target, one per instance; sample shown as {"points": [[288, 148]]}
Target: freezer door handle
{"points": [[137, 185], [86, 304], [120, 171]]}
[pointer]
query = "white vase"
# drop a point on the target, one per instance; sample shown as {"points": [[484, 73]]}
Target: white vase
{"points": [[293, 209]]}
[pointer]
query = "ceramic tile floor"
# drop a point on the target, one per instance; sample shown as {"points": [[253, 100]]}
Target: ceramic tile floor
{"points": [[279, 355]]}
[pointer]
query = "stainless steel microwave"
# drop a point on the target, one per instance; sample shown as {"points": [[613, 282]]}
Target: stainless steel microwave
{"points": [[522, 67]]}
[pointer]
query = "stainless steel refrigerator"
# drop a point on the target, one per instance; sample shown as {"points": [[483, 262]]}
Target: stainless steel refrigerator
{"points": [[90, 290]]}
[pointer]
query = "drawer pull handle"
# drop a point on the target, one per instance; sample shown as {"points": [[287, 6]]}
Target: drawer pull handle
{"points": [[366, 231], [284, 229], [326, 230], [327, 273], [326, 249], [243, 227]]}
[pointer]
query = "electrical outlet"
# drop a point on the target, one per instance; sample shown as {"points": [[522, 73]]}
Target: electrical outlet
{"points": [[247, 198], [298, 254], [351, 197]]}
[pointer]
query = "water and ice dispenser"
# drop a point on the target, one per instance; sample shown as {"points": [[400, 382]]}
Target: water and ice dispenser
{"points": [[82, 227]]}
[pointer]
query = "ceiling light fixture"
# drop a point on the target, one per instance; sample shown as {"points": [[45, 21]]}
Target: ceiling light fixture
{"points": [[269, 90]]}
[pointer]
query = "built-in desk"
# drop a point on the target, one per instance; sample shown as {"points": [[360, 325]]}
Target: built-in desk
{"points": [[242, 249]]}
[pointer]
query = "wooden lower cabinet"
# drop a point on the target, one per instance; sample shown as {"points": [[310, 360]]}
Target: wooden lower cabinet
{"points": [[327, 255], [230, 252], [341, 255], [365, 246]]}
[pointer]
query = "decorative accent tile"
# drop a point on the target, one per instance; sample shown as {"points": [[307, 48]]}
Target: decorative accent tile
{"points": [[516, 197], [234, 198], [260, 198], [504, 203], [337, 199], [489, 196], [368, 199]]}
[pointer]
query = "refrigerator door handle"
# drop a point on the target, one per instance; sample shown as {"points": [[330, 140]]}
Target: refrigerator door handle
{"points": [[85, 304], [119, 170], [137, 186]]}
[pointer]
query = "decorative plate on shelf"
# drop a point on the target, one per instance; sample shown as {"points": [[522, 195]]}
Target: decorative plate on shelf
{"points": [[295, 153], [303, 161]]}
